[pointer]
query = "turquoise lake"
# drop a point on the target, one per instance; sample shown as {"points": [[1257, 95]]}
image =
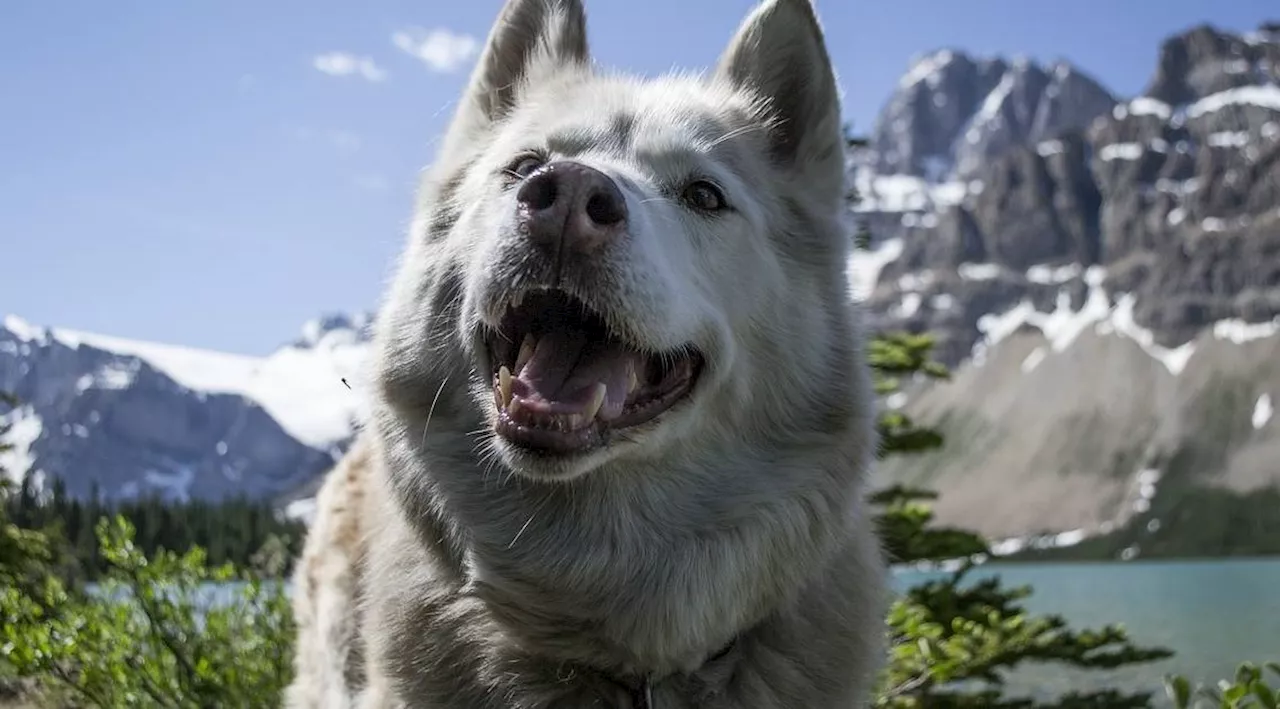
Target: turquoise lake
{"points": [[1212, 614]]}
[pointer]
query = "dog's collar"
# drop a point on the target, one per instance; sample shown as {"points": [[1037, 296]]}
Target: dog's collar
{"points": [[641, 691]]}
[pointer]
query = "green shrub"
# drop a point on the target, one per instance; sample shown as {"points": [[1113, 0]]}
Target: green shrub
{"points": [[1248, 690], [151, 634]]}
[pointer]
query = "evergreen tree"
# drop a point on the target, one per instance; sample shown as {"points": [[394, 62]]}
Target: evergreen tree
{"points": [[954, 641]]}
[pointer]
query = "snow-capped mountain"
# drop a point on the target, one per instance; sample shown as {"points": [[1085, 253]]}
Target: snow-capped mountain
{"points": [[1107, 282], [1103, 272], [138, 417]]}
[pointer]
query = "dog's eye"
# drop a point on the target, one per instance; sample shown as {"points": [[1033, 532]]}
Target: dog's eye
{"points": [[704, 196], [525, 165]]}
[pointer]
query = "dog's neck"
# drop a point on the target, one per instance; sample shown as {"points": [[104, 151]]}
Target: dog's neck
{"points": [[637, 573]]}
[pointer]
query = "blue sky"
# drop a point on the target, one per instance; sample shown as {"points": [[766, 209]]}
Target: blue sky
{"points": [[214, 173]]}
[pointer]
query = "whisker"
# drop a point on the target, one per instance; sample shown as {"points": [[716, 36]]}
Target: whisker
{"points": [[432, 411], [730, 135]]}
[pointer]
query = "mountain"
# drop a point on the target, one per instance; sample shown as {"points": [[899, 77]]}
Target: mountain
{"points": [[135, 418], [1102, 272], [1104, 275]]}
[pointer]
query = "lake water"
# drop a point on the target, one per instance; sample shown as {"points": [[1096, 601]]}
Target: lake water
{"points": [[1212, 614]]}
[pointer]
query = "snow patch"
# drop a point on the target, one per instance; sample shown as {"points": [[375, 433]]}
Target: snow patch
{"points": [[979, 271], [997, 327], [25, 428], [916, 281], [864, 267], [1239, 332], [303, 510], [1262, 411], [1050, 147], [177, 483], [1147, 106], [1033, 360], [114, 375], [925, 67], [1237, 66], [1175, 359], [1063, 325], [1267, 96], [1049, 275], [1228, 139], [22, 329], [909, 306], [928, 220], [905, 193], [1121, 151], [991, 105], [1060, 540]]}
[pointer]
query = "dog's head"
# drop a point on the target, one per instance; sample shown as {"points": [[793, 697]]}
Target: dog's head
{"points": [[605, 269]]}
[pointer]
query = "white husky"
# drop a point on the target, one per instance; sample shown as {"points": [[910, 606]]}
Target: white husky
{"points": [[622, 416]]}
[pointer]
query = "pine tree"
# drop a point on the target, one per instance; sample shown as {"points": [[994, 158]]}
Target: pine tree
{"points": [[955, 641]]}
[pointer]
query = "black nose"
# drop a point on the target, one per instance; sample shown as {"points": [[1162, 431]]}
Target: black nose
{"points": [[568, 206]]}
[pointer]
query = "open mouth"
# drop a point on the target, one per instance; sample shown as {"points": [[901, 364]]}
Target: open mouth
{"points": [[562, 381]]}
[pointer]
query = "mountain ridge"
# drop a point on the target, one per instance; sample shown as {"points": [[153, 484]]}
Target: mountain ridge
{"points": [[1065, 244], [1143, 245]]}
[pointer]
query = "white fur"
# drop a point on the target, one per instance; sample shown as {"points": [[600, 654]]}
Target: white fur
{"points": [[489, 577]]}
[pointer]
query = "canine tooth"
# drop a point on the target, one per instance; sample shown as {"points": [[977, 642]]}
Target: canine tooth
{"points": [[597, 400], [635, 382], [526, 352], [575, 422], [513, 407], [504, 383]]}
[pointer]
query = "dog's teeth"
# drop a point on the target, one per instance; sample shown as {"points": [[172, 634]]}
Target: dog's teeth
{"points": [[575, 422], [526, 352], [597, 400], [635, 382], [504, 383], [513, 408]]}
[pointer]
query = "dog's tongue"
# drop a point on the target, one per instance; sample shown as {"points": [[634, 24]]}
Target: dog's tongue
{"points": [[563, 375]]}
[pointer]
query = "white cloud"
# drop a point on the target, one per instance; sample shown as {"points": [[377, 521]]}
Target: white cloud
{"points": [[440, 49], [347, 64]]}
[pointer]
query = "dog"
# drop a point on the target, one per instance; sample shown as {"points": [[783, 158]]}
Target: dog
{"points": [[621, 414]]}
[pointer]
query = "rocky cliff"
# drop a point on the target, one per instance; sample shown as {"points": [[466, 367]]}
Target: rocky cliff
{"points": [[1105, 275], [1103, 272]]}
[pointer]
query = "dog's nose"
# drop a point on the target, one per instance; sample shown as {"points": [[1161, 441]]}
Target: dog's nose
{"points": [[568, 206]]}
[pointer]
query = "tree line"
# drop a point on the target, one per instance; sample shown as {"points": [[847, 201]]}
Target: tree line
{"points": [[233, 530]]}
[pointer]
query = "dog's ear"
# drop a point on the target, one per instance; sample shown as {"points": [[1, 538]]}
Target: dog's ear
{"points": [[530, 38], [779, 54]]}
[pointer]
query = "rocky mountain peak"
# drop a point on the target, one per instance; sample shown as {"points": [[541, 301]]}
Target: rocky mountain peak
{"points": [[1205, 60], [952, 111], [334, 330]]}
